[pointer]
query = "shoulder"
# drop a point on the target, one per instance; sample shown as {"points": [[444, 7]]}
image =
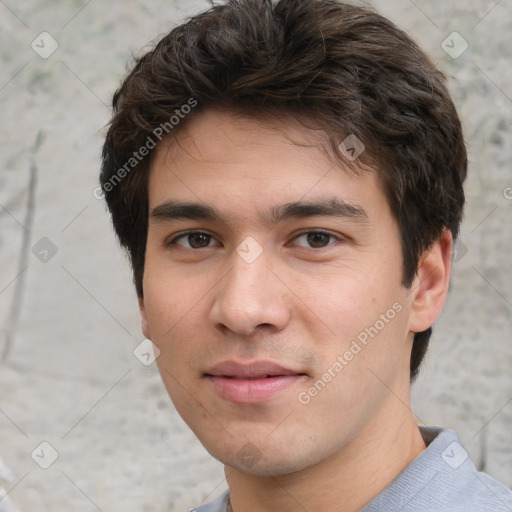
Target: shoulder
{"points": [[443, 477], [482, 493], [464, 488]]}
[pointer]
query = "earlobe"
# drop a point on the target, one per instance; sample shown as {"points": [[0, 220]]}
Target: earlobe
{"points": [[144, 319], [430, 286]]}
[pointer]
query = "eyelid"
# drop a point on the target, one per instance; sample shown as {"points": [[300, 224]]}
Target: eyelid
{"points": [[317, 230], [183, 234], [337, 237]]}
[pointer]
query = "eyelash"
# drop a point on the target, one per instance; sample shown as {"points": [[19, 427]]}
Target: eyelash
{"points": [[307, 232]]}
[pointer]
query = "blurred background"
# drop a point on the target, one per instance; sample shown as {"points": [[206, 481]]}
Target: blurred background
{"points": [[84, 424]]}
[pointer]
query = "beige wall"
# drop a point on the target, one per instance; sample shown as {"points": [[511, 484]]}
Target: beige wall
{"points": [[70, 377]]}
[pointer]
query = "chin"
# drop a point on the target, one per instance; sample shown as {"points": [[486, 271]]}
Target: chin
{"points": [[266, 468], [251, 460]]}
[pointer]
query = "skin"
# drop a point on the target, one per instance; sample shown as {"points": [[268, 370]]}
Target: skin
{"points": [[300, 303]]}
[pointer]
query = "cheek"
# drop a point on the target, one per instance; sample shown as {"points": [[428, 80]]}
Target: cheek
{"points": [[347, 301], [367, 316], [176, 311], [167, 297]]}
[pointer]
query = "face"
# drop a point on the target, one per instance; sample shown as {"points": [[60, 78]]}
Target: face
{"points": [[272, 288]]}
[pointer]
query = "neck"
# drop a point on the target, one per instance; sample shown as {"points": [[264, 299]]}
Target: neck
{"points": [[345, 482]]}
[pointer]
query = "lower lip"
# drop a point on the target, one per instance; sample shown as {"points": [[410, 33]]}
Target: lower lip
{"points": [[252, 391]]}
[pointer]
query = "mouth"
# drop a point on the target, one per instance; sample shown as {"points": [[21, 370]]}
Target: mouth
{"points": [[252, 383]]}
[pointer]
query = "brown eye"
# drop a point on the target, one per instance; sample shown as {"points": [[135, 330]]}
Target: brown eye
{"points": [[195, 240], [316, 239], [199, 240]]}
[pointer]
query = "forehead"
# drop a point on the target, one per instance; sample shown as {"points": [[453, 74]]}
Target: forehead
{"points": [[222, 156], [206, 136]]}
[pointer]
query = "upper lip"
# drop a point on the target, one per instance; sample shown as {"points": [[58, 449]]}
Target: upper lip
{"points": [[254, 370]]}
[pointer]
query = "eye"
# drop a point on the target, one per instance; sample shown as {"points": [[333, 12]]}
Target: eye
{"points": [[192, 240], [316, 239]]}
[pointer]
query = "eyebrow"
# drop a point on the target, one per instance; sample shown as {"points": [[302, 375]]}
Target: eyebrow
{"points": [[333, 207]]}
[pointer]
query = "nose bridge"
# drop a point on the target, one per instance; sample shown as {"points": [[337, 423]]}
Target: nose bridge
{"points": [[249, 294], [248, 281]]}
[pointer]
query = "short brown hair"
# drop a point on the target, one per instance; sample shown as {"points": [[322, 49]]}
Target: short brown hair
{"points": [[340, 67]]}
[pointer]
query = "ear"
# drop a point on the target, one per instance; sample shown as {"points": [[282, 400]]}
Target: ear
{"points": [[430, 287], [145, 323]]}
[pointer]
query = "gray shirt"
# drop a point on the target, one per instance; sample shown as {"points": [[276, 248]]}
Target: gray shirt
{"points": [[441, 479]]}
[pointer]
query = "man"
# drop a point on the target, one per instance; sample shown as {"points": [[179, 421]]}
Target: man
{"points": [[287, 180]]}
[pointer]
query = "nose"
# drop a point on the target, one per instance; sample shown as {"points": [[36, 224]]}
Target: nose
{"points": [[251, 297]]}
